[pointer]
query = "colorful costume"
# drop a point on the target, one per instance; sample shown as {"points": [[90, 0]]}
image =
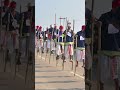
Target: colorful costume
{"points": [[68, 39], [60, 43], [80, 49]]}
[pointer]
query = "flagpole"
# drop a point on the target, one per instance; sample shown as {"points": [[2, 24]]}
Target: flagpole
{"points": [[55, 18], [55, 39], [60, 20]]}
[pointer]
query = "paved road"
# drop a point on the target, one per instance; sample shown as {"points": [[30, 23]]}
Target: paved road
{"points": [[50, 77], [7, 80]]}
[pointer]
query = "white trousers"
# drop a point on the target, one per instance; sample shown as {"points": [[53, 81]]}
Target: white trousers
{"points": [[80, 55], [68, 50], [58, 49], [109, 68], [12, 41], [51, 44]]}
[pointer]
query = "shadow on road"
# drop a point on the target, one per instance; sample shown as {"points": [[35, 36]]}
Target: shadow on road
{"points": [[55, 82], [51, 76]]}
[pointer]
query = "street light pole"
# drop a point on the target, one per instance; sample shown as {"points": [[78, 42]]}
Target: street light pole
{"points": [[62, 19]]}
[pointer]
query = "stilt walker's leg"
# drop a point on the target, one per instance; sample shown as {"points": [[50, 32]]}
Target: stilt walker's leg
{"points": [[33, 66], [75, 54], [41, 50], [6, 59], [63, 58], [28, 58], [46, 54], [15, 64], [47, 50], [72, 47], [72, 65], [50, 52], [57, 57], [54, 49], [63, 64], [5, 62], [26, 71], [70, 55]]}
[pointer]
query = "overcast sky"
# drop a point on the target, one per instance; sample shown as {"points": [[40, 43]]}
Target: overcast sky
{"points": [[72, 9]]}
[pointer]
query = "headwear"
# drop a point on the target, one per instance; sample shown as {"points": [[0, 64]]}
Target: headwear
{"points": [[61, 27], [83, 27], [115, 3], [13, 4], [51, 26], [69, 24], [55, 26], [37, 27], [40, 28], [6, 2]]}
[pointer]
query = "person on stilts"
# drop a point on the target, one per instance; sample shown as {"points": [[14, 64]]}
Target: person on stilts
{"points": [[40, 39], [80, 49], [60, 43], [3, 10], [109, 56], [13, 33], [68, 39], [26, 30]]}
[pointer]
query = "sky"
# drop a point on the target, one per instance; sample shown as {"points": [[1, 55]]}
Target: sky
{"points": [[45, 11]]}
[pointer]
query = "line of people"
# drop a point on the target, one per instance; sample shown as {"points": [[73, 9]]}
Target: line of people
{"points": [[17, 32], [63, 42]]}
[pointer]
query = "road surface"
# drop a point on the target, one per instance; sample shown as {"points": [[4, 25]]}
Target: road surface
{"points": [[50, 77]]}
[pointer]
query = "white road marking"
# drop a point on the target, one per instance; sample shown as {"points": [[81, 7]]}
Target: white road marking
{"points": [[78, 75], [48, 89]]}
